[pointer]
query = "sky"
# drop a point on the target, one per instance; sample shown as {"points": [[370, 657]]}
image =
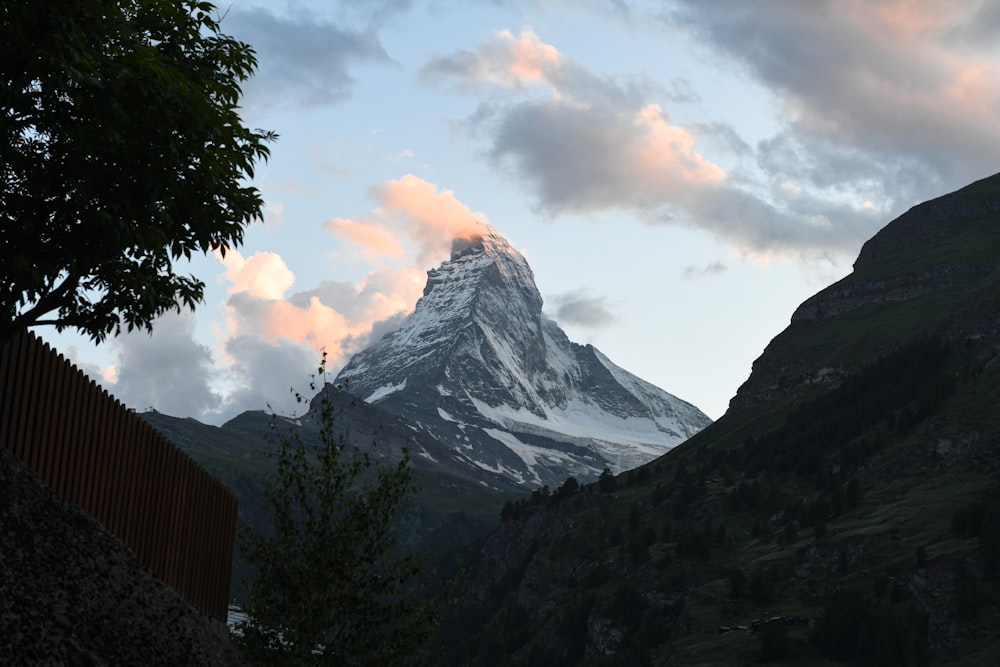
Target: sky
{"points": [[680, 175]]}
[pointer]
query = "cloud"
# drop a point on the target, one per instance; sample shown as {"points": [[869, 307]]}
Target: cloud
{"points": [[376, 241], [103, 376], [587, 143], [263, 374], [724, 137], [793, 224], [882, 103], [264, 276], [581, 309], [303, 61], [413, 209], [582, 159], [711, 269], [168, 371], [505, 61], [907, 90], [590, 143]]}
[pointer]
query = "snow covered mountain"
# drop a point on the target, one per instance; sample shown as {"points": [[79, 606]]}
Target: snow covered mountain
{"points": [[479, 368]]}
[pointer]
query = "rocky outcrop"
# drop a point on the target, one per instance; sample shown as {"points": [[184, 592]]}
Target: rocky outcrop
{"points": [[72, 594], [928, 272]]}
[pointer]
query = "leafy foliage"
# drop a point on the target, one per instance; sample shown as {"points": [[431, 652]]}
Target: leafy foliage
{"points": [[330, 585], [121, 151]]}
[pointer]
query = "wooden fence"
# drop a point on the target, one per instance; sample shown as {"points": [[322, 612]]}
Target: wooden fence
{"points": [[98, 454]]}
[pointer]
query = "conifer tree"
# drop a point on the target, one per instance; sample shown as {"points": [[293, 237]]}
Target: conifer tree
{"points": [[330, 585]]}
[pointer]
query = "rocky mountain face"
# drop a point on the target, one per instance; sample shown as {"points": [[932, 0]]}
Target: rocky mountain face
{"points": [[844, 510], [926, 272], [481, 370]]}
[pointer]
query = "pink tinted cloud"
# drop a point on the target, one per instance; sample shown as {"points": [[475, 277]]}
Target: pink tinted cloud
{"points": [[341, 318], [339, 329], [336, 317], [376, 241], [428, 210], [264, 275], [902, 78], [665, 155], [414, 210], [505, 61], [525, 59], [317, 324], [910, 18]]}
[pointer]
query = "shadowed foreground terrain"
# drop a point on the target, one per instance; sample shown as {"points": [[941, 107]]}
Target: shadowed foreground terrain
{"points": [[70, 593]]}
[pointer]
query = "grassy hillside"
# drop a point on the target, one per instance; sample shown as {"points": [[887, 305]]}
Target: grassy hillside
{"points": [[844, 511]]}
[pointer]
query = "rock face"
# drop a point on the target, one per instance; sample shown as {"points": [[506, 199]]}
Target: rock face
{"points": [[72, 594], [480, 368], [928, 269]]}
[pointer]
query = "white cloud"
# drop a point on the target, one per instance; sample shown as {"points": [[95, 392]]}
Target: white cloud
{"points": [[169, 370]]}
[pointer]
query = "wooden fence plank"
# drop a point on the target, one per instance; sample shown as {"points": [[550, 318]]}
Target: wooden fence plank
{"points": [[25, 395], [64, 406]]}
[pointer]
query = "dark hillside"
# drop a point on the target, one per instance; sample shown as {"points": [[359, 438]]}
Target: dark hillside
{"points": [[451, 509], [843, 511]]}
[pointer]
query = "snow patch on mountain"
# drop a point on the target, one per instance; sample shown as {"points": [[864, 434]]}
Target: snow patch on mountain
{"points": [[584, 421], [527, 453], [384, 391]]}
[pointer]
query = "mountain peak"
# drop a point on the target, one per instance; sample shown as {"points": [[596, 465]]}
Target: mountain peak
{"points": [[461, 247], [484, 238], [480, 368]]}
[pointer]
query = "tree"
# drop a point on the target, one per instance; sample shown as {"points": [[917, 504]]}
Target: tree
{"points": [[606, 482], [330, 586], [567, 489], [121, 151]]}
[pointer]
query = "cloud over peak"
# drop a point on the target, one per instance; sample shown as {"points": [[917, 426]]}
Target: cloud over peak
{"points": [[413, 210]]}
